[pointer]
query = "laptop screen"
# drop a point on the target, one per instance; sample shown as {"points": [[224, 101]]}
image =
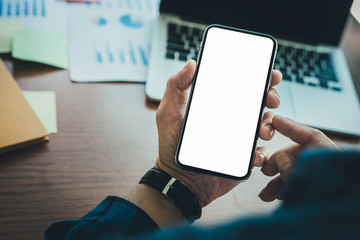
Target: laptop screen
{"points": [[312, 21]]}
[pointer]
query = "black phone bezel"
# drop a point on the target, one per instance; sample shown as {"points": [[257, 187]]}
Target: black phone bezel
{"points": [[266, 88]]}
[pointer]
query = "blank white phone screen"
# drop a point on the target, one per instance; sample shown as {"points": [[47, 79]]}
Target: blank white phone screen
{"points": [[223, 116]]}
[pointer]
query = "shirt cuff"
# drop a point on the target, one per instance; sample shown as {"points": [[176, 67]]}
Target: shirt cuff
{"points": [[114, 216]]}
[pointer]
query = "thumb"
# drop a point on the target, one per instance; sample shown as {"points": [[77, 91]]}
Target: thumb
{"points": [[183, 79]]}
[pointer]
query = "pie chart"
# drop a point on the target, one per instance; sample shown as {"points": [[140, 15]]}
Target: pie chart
{"points": [[131, 21]]}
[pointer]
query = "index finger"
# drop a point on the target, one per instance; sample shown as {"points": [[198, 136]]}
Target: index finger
{"points": [[297, 132]]}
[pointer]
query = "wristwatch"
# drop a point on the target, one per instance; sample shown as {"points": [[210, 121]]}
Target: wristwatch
{"points": [[175, 191]]}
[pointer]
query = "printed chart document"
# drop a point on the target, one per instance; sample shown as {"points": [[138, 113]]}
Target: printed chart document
{"points": [[49, 15], [110, 40], [43, 38]]}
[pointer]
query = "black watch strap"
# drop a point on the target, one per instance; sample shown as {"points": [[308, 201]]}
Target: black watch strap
{"points": [[175, 191]]}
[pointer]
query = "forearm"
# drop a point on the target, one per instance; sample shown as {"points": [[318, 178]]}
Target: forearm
{"points": [[143, 210], [156, 205]]}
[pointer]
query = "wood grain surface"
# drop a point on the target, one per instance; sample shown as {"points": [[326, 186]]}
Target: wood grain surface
{"points": [[106, 140]]}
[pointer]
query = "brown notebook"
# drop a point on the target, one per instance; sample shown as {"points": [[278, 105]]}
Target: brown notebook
{"points": [[19, 125]]}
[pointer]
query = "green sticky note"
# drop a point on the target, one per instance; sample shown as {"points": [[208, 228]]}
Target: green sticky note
{"points": [[7, 29], [40, 46], [44, 105]]}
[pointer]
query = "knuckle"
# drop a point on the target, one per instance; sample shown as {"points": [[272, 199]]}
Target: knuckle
{"points": [[316, 133], [159, 115], [290, 131], [313, 136], [170, 81]]}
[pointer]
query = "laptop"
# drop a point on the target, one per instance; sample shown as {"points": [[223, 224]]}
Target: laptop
{"points": [[317, 88]]}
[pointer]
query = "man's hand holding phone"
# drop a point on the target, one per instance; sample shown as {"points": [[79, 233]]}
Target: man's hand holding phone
{"points": [[170, 117]]}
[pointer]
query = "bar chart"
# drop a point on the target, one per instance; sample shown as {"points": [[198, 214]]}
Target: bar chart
{"points": [[111, 40], [48, 15], [132, 5], [130, 53], [23, 8]]}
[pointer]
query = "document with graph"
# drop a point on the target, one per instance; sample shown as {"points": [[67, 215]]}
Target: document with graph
{"points": [[48, 15], [110, 40]]}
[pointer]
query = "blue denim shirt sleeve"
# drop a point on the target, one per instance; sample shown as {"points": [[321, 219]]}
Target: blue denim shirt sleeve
{"points": [[321, 202], [113, 216]]}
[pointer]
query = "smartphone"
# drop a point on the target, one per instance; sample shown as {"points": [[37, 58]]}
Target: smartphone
{"points": [[226, 102]]}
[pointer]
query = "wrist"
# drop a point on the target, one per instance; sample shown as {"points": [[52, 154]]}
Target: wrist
{"points": [[207, 188], [157, 206], [175, 191], [189, 179]]}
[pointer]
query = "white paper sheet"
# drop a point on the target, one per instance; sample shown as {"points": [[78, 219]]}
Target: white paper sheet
{"points": [[49, 15], [44, 105], [110, 40]]}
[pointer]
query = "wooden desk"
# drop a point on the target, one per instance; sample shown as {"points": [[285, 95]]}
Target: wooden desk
{"points": [[106, 140]]}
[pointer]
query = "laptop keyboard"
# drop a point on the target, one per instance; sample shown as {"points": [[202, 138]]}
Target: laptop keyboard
{"points": [[297, 65], [306, 67], [183, 42]]}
